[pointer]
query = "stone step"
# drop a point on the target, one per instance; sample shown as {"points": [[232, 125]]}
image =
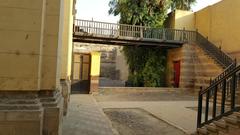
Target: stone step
{"points": [[237, 114], [221, 124], [231, 121], [212, 128], [202, 131]]}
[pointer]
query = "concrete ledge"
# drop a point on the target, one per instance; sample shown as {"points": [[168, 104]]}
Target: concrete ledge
{"points": [[109, 90]]}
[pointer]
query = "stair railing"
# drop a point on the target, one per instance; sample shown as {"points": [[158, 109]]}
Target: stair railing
{"points": [[220, 56], [219, 106]]}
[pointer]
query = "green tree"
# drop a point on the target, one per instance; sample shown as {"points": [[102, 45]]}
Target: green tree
{"points": [[147, 65], [140, 12], [182, 4]]}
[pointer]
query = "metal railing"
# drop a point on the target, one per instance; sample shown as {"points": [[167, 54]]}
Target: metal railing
{"points": [[222, 58], [221, 98], [112, 30], [135, 32]]}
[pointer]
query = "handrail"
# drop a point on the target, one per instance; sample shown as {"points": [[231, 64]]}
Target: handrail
{"points": [[218, 80], [229, 82], [221, 57], [112, 30]]}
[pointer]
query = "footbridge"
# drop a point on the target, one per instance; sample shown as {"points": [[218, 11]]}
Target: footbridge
{"points": [[126, 35]]}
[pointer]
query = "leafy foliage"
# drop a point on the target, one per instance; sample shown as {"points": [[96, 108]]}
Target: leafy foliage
{"points": [[147, 65], [182, 4], [140, 12]]}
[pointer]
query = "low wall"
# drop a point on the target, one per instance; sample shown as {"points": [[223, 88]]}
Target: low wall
{"points": [[110, 90]]}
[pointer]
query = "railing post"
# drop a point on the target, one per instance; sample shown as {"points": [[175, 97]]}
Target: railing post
{"points": [[141, 31], [196, 35], [199, 117], [214, 101], [223, 96], [207, 106], [184, 34], [233, 91]]}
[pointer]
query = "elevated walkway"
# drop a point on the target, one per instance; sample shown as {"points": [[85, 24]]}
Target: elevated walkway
{"points": [[127, 35]]}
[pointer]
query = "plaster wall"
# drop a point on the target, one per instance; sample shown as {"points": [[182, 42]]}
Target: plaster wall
{"points": [[51, 55], [66, 61], [220, 24], [184, 19], [20, 50], [95, 63]]}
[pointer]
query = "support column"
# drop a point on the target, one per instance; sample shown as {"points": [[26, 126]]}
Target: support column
{"points": [[50, 94], [21, 36], [66, 61], [95, 72]]}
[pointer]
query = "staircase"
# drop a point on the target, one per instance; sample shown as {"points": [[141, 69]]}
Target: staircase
{"points": [[228, 125], [219, 103], [205, 67]]}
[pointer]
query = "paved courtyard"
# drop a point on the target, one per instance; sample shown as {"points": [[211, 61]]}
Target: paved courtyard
{"points": [[86, 114], [86, 118]]}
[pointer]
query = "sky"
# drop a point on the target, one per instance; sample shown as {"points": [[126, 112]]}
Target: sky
{"points": [[98, 9]]}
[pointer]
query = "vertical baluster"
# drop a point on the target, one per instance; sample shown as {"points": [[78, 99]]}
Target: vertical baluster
{"points": [[134, 31], [223, 96], [207, 105], [214, 101], [141, 30], [233, 91], [128, 30], [199, 118], [124, 30]]}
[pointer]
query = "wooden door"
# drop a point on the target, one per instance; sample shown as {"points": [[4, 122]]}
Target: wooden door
{"points": [[176, 66], [81, 73]]}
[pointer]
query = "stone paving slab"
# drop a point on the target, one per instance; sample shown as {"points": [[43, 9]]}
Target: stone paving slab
{"points": [[175, 113], [86, 118]]}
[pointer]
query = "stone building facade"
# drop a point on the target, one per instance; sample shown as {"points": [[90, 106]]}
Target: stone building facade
{"points": [[113, 67], [219, 27], [35, 56]]}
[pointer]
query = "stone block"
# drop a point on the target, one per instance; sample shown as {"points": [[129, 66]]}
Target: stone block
{"points": [[94, 84], [20, 113], [66, 91], [53, 112]]}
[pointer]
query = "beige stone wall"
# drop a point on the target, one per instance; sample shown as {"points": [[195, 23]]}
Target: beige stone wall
{"points": [[219, 22], [173, 55], [67, 40], [20, 50], [32, 35], [51, 52], [184, 19], [184, 55], [180, 19], [196, 67]]}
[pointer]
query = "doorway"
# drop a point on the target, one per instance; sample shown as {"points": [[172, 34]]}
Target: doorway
{"points": [[176, 70], [81, 73]]}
